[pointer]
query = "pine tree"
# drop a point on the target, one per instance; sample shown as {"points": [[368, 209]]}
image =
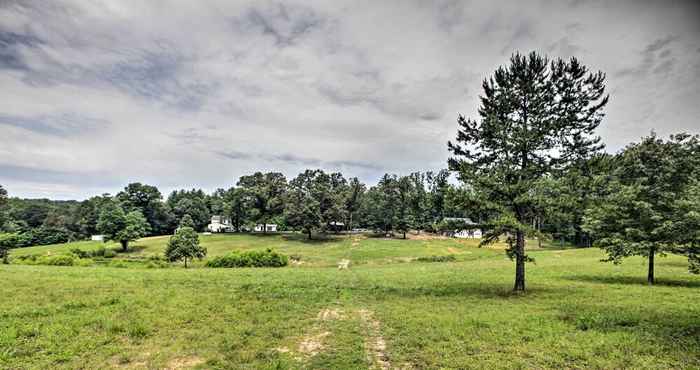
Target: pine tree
{"points": [[535, 117]]}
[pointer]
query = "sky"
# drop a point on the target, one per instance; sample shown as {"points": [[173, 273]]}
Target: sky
{"points": [[181, 94]]}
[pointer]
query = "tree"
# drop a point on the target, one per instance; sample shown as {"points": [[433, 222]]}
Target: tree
{"points": [[148, 200], [266, 192], [111, 220], [438, 186], [184, 245], [190, 202], [650, 210], [122, 227], [405, 194], [353, 200], [302, 206], [533, 116], [237, 207], [3, 202], [379, 207]]}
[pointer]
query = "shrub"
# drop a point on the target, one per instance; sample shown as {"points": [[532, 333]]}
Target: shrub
{"points": [[80, 253], [267, 258], [61, 260], [448, 258], [109, 253]]}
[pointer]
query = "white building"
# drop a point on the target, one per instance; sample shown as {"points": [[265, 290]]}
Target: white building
{"points": [[268, 228], [219, 224], [97, 238]]}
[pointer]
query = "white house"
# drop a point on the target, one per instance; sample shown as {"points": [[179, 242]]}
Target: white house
{"points": [[470, 231], [268, 228], [219, 224], [97, 238]]}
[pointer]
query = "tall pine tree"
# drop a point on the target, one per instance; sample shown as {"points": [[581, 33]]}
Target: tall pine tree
{"points": [[535, 118]]}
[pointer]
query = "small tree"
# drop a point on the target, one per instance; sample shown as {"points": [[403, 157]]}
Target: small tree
{"points": [[184, 245]]}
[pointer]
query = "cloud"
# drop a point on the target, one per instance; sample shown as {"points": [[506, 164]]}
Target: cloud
{"points": [[196, 94], [67, 124]]}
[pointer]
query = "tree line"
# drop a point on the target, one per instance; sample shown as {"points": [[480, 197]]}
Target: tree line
{"points": [[530, 166]]}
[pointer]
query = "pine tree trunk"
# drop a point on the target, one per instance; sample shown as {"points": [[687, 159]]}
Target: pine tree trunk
{"points": [[265, 227], [519, 262], [309, 234], [125, 245], [404, 235], [650, 275], [185, 262]]}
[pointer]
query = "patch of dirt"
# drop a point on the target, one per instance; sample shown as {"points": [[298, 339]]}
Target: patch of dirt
{"points": [[297, 263], [311, 345], [343, 264], [184, 363], [375, 343], [330, 314], [452, 250]]}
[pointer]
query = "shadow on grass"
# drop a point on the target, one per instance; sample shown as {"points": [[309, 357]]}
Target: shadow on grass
{"points": [[316, 238], [132, 249], [480, 290], [632, 280], [675, 330]]}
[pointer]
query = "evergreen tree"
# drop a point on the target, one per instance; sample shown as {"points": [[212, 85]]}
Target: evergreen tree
{"points": [[534, 116]]}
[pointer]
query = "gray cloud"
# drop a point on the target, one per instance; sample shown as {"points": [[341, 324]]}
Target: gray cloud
{"points": [[199, 93], [67, 124]]}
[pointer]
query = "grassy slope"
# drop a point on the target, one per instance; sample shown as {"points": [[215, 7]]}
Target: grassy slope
{"points": [[578, 313]]}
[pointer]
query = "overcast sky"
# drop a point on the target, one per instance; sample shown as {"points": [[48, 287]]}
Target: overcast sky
{"points": [[96, 94]]}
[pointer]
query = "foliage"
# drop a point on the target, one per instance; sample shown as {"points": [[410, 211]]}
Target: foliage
{"points": [[121, 227], [266, 258], [266, 194], [187, 221], [147, 200], [650, 205], [184, 246], [535, 117], [193, 203]]}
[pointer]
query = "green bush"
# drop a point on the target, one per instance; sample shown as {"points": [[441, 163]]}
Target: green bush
{"points": [[109, 253], [267, 258], [448, 258], [60, 260]]}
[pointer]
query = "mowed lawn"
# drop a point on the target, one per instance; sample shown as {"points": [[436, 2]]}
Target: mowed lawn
{"points": [[386, 311]]}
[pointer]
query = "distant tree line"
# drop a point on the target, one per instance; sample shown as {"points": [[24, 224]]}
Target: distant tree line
{"points": [[313, 202]]}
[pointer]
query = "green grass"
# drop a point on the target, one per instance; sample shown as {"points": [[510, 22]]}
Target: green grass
{"points": [[578, 312]]}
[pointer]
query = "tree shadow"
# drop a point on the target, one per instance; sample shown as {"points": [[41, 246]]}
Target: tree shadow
{"points": [[317, 239], [675, 331], [461, 289], [632, 280]]}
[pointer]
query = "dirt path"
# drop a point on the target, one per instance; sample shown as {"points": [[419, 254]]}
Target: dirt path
{"points": [[374, 342]]}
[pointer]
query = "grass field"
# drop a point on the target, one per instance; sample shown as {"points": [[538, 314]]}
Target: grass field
{"points": [[386, 311]]}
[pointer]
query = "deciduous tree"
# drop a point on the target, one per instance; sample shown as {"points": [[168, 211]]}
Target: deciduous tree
{"points": [[184, 246], [649, 210]]}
